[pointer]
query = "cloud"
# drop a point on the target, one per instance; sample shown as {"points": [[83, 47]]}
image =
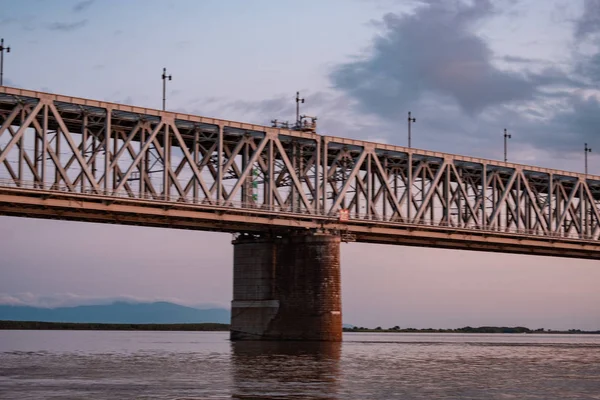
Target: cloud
{"points": [[82, 5], [7, 21], [435, 50], [26, 22], [589, 23], [576, 125], [433, 62], [67, 27], [72, 300]]}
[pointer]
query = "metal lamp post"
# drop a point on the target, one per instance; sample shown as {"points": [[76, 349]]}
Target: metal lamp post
{"points": [[2, 49], [298, 101], [410, 121], [586, 151], [506, 137], [164, 78]]}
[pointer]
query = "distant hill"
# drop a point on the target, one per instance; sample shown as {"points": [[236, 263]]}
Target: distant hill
{"points": [[117, 313]]}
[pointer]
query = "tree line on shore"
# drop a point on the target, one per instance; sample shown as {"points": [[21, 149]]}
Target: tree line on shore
{"points": [[468, 329], [36, 325], [209, 326]]}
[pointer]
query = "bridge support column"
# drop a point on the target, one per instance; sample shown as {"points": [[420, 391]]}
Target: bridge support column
{"points": [[287, 288]]}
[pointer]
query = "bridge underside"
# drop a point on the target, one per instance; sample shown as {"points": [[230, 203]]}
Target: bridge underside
{"points": [[19, 202]]}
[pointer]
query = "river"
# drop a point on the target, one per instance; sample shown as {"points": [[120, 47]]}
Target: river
{"points": [[206, 365]]}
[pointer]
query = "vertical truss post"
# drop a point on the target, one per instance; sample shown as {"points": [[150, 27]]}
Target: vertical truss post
{"points": [[295, 169], [495, 205], [84, 129], [107, 134], [526, 209], [195, 151], [300, 179], [21, 148], [445, 170], [245, 157], [370, 191], [423, 195], [518, 200], [144, 163], [325, 171], [317, 181], [94, 156], [582, 213], [220, 165], [166, 163], [396, 190], [57, 150], [409, 188], [446, 200], [36, 157], [385, 177], [271, 171], [44, 144], [551, 204], [115, 161], [483, 196]]}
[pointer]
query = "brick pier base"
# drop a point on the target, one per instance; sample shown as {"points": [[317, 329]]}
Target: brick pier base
{"points": [[287, 288]]}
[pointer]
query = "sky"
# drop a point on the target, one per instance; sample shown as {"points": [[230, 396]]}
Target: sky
{"points": [[465, 69]]}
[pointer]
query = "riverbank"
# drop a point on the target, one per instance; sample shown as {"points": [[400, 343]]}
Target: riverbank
{"points": [[214, 327], [468, 329], [35, 325]]}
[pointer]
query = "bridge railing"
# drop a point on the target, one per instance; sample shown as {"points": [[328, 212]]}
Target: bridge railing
{"points": [[473, 227], [159, 197], [290, 210]]}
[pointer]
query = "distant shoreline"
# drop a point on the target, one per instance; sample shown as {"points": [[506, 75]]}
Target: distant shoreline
{"points": [[216, 327], [468, 329], [79, 326]]}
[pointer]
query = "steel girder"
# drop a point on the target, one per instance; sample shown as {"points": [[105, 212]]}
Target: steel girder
{"points": [[57, 143]]}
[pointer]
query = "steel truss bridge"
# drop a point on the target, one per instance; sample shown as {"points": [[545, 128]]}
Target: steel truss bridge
{"points": [[77, 159]]}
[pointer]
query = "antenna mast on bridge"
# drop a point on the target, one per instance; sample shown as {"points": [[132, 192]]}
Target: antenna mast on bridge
{"points": [[304, 123]]}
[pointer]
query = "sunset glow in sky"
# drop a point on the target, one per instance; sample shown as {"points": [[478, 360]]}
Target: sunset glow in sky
{"points": [[466, 70]]}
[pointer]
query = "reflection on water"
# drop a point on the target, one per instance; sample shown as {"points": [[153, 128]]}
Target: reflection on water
{"points": [[285, 370], [196, 365]]}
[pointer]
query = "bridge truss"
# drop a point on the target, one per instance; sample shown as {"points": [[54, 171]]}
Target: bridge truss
{"points": [[72, 158]]}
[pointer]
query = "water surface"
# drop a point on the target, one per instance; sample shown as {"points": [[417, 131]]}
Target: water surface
{"points": [[205, 365]]}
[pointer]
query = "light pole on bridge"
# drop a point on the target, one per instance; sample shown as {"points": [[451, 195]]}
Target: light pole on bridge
{"points": [[586, 151], [2, 50], [506, 137], [298, 101], [164, 79], [410, 121]]}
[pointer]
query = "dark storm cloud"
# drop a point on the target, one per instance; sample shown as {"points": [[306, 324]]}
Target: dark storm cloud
{"points": [[580, 122], [589, 23], [519, 60], [67, 27], [433, 63], [82, 5], [577, 125], [432, 50]]}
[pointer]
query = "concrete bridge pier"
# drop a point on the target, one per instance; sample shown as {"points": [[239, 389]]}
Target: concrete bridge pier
{"points": [[287, 288]]}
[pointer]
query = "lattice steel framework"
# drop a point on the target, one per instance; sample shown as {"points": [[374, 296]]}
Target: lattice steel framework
{"points": [[51, 143]]}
